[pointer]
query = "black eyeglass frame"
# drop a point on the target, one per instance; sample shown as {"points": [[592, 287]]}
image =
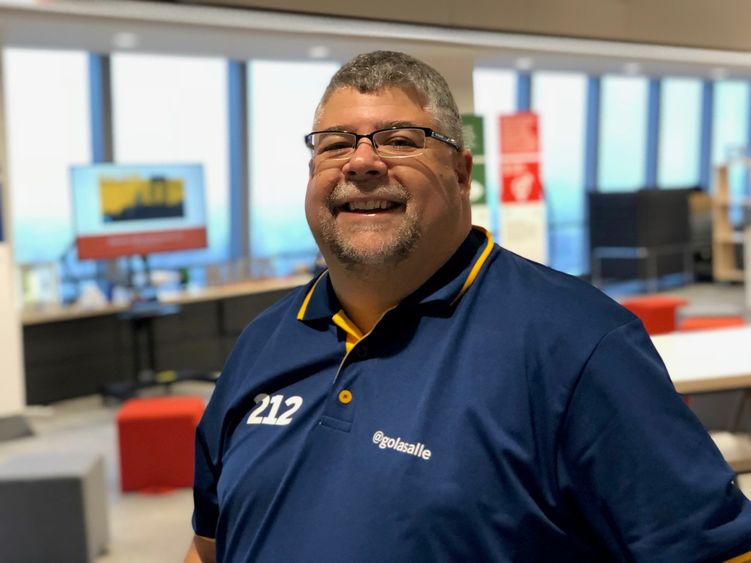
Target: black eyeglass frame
{"points": [[429, 133]]}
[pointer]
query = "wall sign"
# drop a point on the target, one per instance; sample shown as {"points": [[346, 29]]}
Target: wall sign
{"points": [[523, 210], [474, 129]]}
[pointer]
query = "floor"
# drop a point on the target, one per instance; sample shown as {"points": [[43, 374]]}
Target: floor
{"points": [[144, 528], [155, 528]]}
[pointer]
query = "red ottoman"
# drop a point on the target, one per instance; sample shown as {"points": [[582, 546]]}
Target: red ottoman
{"points": [[711, 323], [157, 442], [657, 312]]}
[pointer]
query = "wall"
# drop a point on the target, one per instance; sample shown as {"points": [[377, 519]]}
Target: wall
{"points": [[11, 386], [11, 376], [722, 24]]}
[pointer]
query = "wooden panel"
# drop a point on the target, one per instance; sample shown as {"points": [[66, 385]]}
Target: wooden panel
{"points": [[239, 311], [696, 23], [72, 339], [75, 357], [66, 379]]}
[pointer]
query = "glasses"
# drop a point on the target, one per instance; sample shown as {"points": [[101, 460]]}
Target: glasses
{"points": [[395, 142]]}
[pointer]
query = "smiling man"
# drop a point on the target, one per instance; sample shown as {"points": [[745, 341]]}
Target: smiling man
{"points": [[433, 397]]}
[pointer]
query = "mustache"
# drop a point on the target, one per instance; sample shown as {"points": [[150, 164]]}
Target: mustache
{"points": [[344, 192]]}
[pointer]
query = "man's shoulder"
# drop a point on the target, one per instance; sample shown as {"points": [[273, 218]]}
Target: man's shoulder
{"points": [[540, 294], [267, 332], [280, 312]]}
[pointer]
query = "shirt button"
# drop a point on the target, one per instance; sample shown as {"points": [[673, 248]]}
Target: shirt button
{"points": [[345, 396], [361, 351]]}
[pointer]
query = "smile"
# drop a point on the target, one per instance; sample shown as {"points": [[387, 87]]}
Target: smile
{"points": [[370, 206]]}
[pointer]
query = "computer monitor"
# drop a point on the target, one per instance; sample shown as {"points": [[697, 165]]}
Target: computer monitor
{"points": [[137, 209]]}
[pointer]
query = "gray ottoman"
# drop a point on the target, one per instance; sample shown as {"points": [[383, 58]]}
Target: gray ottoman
{"points": [[53, 508]]}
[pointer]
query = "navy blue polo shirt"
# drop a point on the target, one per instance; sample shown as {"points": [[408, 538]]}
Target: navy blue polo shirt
{"points": [[502, 412]]}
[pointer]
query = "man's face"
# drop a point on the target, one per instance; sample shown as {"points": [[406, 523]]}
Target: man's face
{"points": [[371, 211]]}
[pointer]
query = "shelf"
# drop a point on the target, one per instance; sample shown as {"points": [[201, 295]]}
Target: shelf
{"points": [[733, 202], [729, 275], [727, 264], [729, 238]]}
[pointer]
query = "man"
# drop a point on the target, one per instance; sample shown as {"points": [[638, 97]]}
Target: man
{"points": [[433, 397]]}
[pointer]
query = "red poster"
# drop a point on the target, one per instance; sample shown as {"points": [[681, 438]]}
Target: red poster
{"points": [[520, 158], [143, 242]]}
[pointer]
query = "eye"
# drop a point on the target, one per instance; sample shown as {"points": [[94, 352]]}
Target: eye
{"points": [[401, 139], [400, 142], [332, 143], [334, 146]]}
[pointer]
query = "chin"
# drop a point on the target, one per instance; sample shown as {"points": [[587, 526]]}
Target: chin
{"points": [[371, 249]]}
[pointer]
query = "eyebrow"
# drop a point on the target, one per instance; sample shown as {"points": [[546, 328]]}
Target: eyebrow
{"points": [[379, 125]]}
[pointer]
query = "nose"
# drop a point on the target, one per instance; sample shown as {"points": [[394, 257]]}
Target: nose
{"points": [[364, 163]]}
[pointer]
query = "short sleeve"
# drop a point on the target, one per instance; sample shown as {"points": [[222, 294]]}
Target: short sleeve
{"points": [[205, 502], [638, 466]]}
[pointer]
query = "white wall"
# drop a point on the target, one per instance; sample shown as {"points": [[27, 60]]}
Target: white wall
{"points": [[12, 396], [12, 391]]}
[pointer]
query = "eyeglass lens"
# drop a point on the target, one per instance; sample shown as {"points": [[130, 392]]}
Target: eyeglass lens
{"points": [[391, 142]]}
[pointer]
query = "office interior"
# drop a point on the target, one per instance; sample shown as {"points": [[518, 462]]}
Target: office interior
{"points": [[644, 117]]}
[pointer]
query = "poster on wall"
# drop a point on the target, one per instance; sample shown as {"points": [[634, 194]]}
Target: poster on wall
{"points": [[523, 211], [473, 129], [11, 381], [2, 228]]}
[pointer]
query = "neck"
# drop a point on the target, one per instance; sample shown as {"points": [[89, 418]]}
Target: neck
{"points": [[367, 292], [366, 297]]}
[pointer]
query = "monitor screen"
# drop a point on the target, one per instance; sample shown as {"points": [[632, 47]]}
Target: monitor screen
{"points": [[128, 209]]}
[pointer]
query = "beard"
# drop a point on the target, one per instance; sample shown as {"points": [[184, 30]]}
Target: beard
{"points": [[390, 249]]}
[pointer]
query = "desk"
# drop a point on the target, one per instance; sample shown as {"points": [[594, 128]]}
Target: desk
{"points": [[707, 360], [713, 360], [55, 313], [74, 351]]}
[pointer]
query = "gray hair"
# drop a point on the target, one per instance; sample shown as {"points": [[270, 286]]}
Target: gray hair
{"points": [[372, 72]]}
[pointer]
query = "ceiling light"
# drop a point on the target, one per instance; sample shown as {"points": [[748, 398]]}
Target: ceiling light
{"points": [[631, 69], [319, 52], [524, 63], [125, 40], [719, 73]]}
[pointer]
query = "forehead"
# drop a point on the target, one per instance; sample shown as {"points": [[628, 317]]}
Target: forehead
{"points": [[349, 109]]}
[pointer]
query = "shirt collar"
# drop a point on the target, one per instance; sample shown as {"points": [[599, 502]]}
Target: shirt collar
{"points": [[447, 285]]}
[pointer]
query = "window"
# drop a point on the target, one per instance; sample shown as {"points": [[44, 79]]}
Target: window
{"points": [[623, 133], [680, 133], [48, 128], [730, 137], [174, 109], [282, 98], [560, 100], [729, 118], [494, 95]]}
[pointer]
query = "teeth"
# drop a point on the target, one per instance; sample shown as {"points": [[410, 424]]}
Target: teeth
{"points": [[369, 205]]}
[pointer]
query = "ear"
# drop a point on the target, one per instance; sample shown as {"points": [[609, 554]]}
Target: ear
{"points": [[463, 169]]}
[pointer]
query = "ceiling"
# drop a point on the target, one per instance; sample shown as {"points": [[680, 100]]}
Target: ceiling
{"points": [[132, 26]]}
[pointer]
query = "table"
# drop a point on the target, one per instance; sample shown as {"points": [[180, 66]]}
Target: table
{"points": [[713, 360], [707, 360], [55, 313], [73, 351]]}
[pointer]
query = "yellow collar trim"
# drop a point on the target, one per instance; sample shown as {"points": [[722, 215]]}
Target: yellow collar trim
{"points": [[477, 266], [467, 283], [354, 334], [744, 558], [304, 306]]}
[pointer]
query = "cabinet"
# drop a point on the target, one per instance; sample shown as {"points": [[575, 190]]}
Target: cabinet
{"points": [[642, 234], [78, 356], [727, 242]]}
